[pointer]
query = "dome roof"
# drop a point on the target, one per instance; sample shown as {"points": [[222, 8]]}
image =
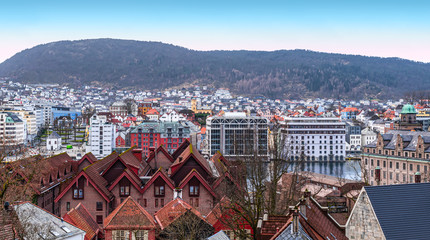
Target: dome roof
{"points": [[407, 109]]}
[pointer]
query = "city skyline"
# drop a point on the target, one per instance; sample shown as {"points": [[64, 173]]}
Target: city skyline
{"points": [[383, 29]]}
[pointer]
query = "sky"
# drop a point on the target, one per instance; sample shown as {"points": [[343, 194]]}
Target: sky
{"points": [[372, 28]]}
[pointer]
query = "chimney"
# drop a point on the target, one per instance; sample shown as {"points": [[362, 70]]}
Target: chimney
{"points": [[378, 175], [307, 195], [295, 228], [303, 206], [151, 150], [417, 177], [137, 153]]}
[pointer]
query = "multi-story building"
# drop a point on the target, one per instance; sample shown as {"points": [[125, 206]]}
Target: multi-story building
{"points": [[395, 158], [118, 109], [30, 120], [236, 134], [12, 129], [143, 108], [315, 138], [101, 138], [154, 134], [353, 138]]}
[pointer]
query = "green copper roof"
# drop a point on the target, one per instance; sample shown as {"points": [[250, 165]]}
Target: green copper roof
{"points": [[408, 109]]}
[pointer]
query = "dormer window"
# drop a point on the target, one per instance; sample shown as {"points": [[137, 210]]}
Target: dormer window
{"points": [[65, 171], [58, 175], [159, 191], [41, 183], [124, 188], [78, 189], [50, 179], [194, 187]]}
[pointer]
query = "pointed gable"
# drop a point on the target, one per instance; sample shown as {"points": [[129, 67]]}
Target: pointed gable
{"points": [[172, 211], [159, 175], [93, 178], [160, 158], [129, 215], [81, 218], [132, 178], [195, 175], [190, 159], [86, 160]]}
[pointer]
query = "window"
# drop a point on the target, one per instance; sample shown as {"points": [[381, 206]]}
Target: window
{"points": [[68, 206], [124, 187], [145, 203], [162, 202], [78, 191], [99, 206], [194, 190], [119, 235], [156, 202], [391, 164], [159, 191], [411, 168], [141, 235], [404, 166], [99, 219]]}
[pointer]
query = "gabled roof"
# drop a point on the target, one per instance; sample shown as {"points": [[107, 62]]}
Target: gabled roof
{"points": [[402, 210], [172, 211], [102, 164], [80, 217], [131, 176], [90, 157], [97, 181], [157, 174], [185, 155], [129, 215], [36, 217], [159, 149], [180, 149], [129, 158], [54, 135], [194, 173]]}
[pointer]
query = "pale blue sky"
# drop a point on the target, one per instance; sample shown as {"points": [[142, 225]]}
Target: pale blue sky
{"points": [[373, 28]]}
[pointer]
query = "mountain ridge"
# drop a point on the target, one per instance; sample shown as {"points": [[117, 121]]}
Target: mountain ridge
{"points": [[276, 74]]}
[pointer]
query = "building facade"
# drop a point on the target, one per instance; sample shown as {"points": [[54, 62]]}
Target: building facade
{"points": [[315, 138], [397, 157], [154, 134], [12, 129], [235, 134], [101, 138]]}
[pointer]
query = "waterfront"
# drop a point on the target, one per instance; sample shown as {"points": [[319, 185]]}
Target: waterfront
{"points": [[349, 169]]}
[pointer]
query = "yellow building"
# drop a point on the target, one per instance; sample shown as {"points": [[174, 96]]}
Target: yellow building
{"points": [[201, 110]]}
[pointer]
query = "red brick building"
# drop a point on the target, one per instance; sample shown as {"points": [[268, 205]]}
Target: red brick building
{"points": [[130, 221], [149, 135]]}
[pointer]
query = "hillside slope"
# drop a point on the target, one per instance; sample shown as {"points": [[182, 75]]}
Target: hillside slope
{"points": [[278, 74]]}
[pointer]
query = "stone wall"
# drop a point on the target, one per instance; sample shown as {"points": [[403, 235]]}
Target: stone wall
{"points": [[362, 223]]}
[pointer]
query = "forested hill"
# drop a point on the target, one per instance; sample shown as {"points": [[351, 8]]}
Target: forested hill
{"points": [[277, 74]]}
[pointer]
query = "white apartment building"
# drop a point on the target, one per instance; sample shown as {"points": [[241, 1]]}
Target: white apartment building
{"points": [[172, 116], [236, 134], [12, 129], [368, 136], [315, 138], [101, 138]]}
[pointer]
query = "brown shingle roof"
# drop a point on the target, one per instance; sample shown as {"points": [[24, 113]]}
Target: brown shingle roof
{"points": [[81, 218], [173, 210], [129, 215], [129, 158]]}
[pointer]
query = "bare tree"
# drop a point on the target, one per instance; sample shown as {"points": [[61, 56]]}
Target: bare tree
{"points": [[187, 227]]}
